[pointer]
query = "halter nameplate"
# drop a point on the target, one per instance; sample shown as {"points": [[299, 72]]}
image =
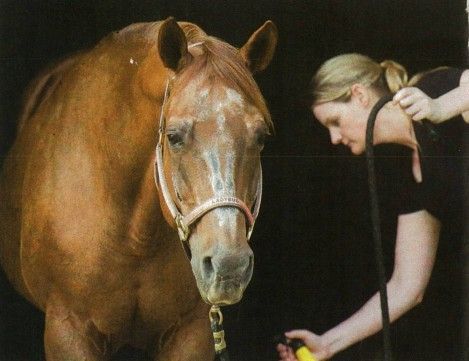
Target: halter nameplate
{"points": [[218, 202], [183, 223]]}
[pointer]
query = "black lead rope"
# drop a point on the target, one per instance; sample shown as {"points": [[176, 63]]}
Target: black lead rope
{"points": [[375, 217]]}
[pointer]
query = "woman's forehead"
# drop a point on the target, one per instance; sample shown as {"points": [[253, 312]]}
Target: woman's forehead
{"points": [[325, 110]]}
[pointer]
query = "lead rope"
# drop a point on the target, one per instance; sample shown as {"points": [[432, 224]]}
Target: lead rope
{"points": [[375, 217], [216, 323]]}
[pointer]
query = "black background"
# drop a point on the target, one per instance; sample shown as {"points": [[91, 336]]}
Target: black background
{"points": [[313, 246]]}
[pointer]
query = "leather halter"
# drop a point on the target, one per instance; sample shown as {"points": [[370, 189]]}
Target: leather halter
{"points": [[183, 222]]}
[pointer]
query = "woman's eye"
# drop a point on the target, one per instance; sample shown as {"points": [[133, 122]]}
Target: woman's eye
{"points": [[335, 122], [175, 139]]}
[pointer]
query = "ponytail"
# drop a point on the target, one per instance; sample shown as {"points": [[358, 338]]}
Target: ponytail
{"points": [[334, 79], [395, 75]]}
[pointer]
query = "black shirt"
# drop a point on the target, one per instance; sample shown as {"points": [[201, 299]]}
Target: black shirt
{"points": [[441, 156]]}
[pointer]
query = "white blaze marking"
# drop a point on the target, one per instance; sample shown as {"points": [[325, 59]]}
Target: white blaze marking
{"points": [[234, 97], [222, 180]]}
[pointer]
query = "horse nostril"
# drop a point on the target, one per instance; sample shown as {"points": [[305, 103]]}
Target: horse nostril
{"points": [[207, 266]]}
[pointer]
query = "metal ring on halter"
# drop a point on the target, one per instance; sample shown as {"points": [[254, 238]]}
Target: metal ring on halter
{"points": [[183, 230], [215, 314]]}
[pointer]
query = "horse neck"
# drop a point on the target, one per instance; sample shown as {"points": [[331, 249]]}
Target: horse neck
{"points": [[132, 151], [147, 224], [147, 228]]}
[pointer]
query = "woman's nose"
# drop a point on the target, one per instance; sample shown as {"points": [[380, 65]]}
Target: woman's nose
{"points": [[335, 136]]}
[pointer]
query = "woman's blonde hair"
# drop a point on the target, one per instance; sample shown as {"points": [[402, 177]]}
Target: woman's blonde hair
{"points": [[334, 79]]}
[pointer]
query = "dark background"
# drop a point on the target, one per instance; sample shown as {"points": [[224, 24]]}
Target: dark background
{"points": [[313, 245]]}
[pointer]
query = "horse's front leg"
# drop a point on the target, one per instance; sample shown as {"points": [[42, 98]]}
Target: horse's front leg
{"points": [[191, 340], [69, 338]]}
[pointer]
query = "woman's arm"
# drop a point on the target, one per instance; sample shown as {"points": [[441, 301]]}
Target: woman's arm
{"points": [[416, 245], [420, 106], [465, 83]]}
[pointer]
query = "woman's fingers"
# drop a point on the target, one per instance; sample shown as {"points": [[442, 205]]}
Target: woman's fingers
{"points": [[410, 100], [285, 353], [401, 94], [410, 97], [420, 115], [302, 334], [417, 104], [414, 109]]}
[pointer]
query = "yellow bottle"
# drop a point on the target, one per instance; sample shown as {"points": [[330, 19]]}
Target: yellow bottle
{"points": [[302, 352]]}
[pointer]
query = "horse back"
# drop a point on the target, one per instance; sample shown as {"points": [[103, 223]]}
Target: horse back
{"points": [[14, 171]]}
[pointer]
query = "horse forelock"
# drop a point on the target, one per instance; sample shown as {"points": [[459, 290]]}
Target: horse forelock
{"points": [[222, 63]]}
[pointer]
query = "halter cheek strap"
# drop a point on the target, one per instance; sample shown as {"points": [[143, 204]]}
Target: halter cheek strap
{"points": [[183, 222]]}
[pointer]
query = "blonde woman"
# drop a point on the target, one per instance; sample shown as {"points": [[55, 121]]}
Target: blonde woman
{"points": [[344, 90]]}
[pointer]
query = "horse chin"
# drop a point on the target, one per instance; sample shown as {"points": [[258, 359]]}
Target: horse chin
{"points": [[224, 293]]}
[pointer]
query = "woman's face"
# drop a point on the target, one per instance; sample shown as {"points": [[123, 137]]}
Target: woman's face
{"points": [[346, 122]]}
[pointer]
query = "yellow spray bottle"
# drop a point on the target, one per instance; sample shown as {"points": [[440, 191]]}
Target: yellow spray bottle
{"points": [[302, 352]]}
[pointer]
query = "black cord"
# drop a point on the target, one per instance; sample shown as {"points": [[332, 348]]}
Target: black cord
{"points": [[222, 356], [375, 217]]}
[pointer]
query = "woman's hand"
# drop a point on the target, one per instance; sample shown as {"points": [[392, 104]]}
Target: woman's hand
{"points": [[419, 105], [285, 353], [314, 343]]}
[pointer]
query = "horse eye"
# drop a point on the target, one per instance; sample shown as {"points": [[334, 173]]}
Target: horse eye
{"points": [[175, 139], [261, 138]]}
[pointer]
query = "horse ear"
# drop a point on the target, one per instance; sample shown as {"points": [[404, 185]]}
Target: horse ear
{"points": [[172, 45], [259, 49]]}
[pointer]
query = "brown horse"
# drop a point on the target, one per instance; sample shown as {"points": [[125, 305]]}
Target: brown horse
{"points": [[82, 235]]}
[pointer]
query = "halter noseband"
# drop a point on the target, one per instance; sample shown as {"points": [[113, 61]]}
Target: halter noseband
{"points": [[183, 222]]}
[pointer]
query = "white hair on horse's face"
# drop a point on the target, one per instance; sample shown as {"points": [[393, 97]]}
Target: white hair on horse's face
{"points": [[222, 182], [234, 97], [221, 105], [193, 100], [222, 179]]}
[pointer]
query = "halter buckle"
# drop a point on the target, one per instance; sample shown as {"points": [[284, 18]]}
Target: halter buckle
{"points": [[183, 230]]}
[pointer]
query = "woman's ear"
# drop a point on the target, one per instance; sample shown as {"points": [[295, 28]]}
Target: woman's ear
{"points": [[361, 94]]}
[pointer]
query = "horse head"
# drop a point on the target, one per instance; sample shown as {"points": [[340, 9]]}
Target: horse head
{"points": [[212, 127]]}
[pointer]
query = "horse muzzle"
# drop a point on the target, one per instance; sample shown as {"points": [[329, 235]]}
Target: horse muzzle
{"points": [[223, 279], [224, 293]]}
